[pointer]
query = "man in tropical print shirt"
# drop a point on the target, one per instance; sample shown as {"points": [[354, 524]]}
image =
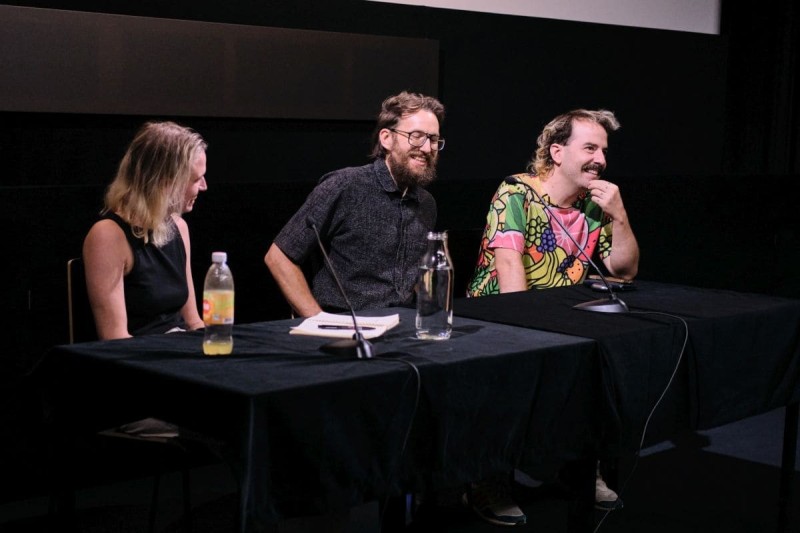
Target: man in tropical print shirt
{"points": [[523, 248]]}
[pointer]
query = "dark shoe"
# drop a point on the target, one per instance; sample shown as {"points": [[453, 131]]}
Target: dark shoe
{"points": [[491, 501]]}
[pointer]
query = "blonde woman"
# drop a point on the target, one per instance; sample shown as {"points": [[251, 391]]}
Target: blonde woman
{"points": [[137, 256]]}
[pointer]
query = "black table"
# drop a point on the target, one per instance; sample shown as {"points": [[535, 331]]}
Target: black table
{"points": [[314, 431], [742, 357], [544, 385]]}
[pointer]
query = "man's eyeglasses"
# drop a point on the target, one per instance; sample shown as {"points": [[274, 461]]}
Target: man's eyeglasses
{"points": [[417, 139]]}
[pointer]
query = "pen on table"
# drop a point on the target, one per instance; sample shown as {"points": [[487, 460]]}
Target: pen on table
{"points": [[339, 326]]}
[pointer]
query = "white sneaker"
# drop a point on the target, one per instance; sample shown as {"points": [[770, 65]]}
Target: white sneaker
{"points": [[605, 499]]}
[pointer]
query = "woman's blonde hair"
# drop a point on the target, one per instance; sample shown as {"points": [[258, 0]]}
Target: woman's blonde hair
{"points": [[152, 178], [559, 130]]}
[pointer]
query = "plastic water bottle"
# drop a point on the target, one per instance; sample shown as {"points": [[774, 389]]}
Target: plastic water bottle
{"points": [[435, 290], [218, 307]]}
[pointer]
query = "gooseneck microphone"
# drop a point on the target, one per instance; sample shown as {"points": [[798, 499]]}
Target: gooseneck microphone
{"points": [[358, 346], [612, 304]]}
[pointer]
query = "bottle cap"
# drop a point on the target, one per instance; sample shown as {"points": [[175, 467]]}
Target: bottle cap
{"points": [[219, 257]]}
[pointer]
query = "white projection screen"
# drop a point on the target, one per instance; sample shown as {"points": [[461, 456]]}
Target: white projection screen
{"points": [[697, 16]]}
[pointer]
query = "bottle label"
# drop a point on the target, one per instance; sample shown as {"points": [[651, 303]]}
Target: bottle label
{"points": [[217, 307]]}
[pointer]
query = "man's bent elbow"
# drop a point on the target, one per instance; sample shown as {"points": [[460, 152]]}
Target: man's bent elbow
{"points": [[273, 258], [626, 271]]}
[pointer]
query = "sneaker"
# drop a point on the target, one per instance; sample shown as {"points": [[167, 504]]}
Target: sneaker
{"points": [[605, 499], [491, 501]]}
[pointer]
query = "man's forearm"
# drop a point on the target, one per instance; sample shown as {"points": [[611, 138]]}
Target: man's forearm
{"points": [[623, 262]]}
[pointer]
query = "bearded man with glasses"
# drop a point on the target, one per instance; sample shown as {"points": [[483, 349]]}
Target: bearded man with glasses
{"points": [[373, 219]]}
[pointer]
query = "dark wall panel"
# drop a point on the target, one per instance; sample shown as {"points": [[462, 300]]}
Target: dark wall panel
{"points": [[46, 149], [76, 62], [501, 88], [501, 77]]}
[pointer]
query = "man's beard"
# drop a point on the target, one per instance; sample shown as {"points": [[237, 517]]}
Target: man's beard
{"points": [[404, 176]]}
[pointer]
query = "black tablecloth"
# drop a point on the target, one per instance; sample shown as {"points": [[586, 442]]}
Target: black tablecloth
{"points": [[313, 431], [742, 357]]}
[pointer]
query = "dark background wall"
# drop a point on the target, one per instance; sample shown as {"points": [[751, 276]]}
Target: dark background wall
{"points": [[707, 158], [709, 124]]}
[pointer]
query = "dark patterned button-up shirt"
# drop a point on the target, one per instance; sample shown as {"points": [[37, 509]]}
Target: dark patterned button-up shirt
{"points": [[375, 236]]}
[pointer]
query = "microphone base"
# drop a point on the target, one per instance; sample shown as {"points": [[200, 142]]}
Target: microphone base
{"points": [[356, 349], [604, 305]]}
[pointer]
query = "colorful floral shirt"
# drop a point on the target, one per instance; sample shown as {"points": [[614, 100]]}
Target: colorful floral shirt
{"points": [[517, 220]]}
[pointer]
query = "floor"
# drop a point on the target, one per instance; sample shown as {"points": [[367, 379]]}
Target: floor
{"points": [[722, 480]]}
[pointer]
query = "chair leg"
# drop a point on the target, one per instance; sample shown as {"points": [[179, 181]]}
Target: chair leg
{"points": [[151, 522], [61, 504], [787, 465], [393, 514], [187, 500], [61, 510]]}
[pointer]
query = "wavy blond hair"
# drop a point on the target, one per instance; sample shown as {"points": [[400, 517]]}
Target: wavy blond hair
{"points": [[152, 178], [559, 130]]}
